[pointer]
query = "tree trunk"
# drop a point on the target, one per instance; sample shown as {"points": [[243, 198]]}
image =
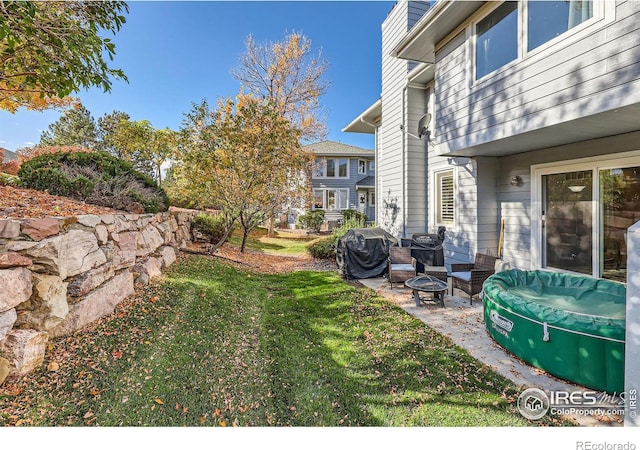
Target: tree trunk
{"points": [[224, 238], [245, 235], [272, 224]]}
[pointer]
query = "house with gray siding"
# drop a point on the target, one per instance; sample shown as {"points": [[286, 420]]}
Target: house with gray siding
{"points": [[343, 177], [533, 116], [527, 100]]}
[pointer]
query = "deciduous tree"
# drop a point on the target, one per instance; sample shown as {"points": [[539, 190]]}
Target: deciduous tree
{"points": [[291, 77], [164, 143], [51, 49], [132, 139], [242, 157]]}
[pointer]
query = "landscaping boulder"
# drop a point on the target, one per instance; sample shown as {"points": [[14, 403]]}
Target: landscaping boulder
{"points": [[96, 304], [90, 280], [39, 229], [168, 255], [89, 220], [151, 268], [79, 253], [16, 287], [125, 255], [9, 229], [13, 259], [24, 349], [7, 320], [5, 368], [47, 306], [148, 241]]}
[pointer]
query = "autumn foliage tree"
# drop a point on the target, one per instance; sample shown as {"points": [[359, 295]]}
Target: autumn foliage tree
{"points": [[243, 157], [51, 49], [290, 75]]}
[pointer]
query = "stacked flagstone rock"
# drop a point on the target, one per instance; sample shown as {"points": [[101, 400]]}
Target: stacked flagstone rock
{"points": [[59, 274]]}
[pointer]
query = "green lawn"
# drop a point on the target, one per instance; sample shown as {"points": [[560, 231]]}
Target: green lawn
{"points": [[216, 346], [285, 244]]}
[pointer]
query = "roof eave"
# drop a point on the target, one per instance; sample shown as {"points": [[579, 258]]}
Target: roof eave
{"points": [[438, 22], [368, 121]]}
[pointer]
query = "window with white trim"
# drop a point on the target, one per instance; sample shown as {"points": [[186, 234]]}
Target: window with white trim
{"points": [[547, 20], [362, 167], [372, 165], [331, 168], [445, 198], [331, 199], [514, 28], [497, 39]]}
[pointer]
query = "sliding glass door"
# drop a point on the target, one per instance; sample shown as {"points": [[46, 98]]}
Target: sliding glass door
{"points": [[619, 209], [567, 207], [584, 216]]}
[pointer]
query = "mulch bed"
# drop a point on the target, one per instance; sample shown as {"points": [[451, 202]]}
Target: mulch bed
{"points": [[18, 203]]}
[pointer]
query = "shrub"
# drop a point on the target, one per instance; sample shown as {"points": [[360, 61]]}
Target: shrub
{"points": [[9, 180], [312, 220], [326, 248], [349, 215], [212, 227], [323, 248], [94, 177]]}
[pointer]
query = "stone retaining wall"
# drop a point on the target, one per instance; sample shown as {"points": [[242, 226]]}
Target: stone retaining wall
{"points": [[59, 274]]}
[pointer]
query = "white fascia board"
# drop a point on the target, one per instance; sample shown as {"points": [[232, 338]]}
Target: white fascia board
{"points": [[368, 121]]}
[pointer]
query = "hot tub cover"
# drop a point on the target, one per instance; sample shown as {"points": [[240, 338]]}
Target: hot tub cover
{"points": [[584, 304], [363, 252]]}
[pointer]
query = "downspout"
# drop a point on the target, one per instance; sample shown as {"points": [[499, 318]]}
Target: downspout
{"points": [[404, 168]]}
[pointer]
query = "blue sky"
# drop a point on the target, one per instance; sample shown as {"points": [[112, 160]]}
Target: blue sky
{"points": [[176, 53]]}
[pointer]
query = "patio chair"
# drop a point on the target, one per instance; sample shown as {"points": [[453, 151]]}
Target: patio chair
{"points": [[401, 265], [470, 277]]}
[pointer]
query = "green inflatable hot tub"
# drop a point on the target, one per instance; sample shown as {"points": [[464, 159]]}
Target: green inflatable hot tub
{"points": [[571, 326]]}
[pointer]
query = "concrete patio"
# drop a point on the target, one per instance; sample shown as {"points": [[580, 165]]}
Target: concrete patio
{"points": [[464, 324]]}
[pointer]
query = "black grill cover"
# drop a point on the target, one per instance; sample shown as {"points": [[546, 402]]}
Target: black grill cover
{"points": [[363, 253], [427, 249]]}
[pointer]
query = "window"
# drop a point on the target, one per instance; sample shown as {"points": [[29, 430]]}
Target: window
{"points": [[372, 165], [331, 199], [445, 200], [497, 39], [362, 167], [332, 168], [547, 20], [497, 34], [318, 199]]}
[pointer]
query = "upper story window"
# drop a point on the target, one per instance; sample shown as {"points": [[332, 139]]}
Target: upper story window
{"points": [[547, 20], [515, 28], [497, 39], [332, 168], [362, 166], [372, 165]]}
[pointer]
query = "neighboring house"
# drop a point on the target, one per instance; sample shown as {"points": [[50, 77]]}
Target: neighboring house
{"points": [[343, 178], [8, 155], [536, 122]]}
